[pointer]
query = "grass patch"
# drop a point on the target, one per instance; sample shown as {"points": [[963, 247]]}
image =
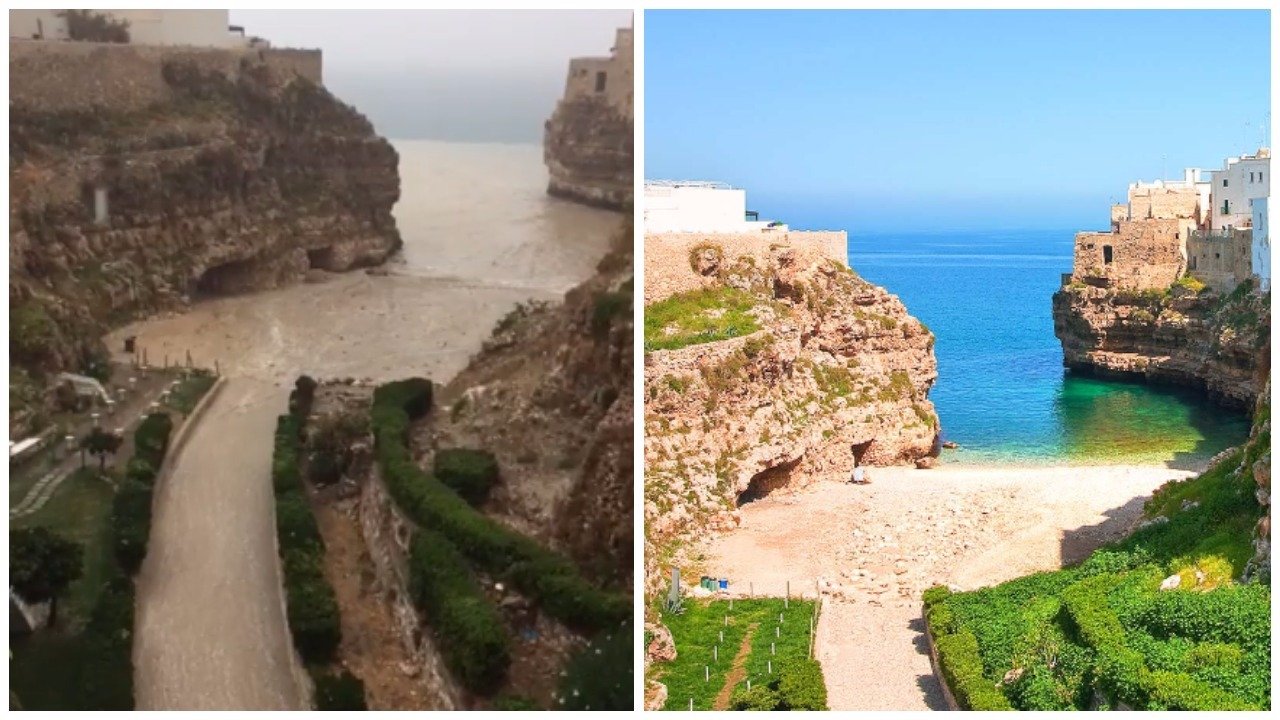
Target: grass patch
{"points": [[699, 316], [698, 630], [189, 390], [80, 510]]}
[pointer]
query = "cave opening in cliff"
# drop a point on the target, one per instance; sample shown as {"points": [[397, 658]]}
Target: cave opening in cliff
{"points": [[226, 279], [767, 481], [320, 258]]}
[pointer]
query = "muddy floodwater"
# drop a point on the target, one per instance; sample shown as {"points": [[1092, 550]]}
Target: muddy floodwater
{"points": [[480, 235]]}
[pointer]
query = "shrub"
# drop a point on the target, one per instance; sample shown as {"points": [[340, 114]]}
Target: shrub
{"points": [[541, 574], [801, 687], [325, 468], [312, 606], [301, 398], [962, 671], [106, 671], [339, 691], [608, 306], [131, 524], [599, 677], [470, 473], [151, 439], [759, 697], [471, 634]]}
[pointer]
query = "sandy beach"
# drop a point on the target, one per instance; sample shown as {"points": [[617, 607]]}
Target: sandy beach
{"points": [[872, 549]]}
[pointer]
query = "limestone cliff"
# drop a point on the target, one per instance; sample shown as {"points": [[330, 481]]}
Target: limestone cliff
{"points": [[588, 152], [835, 369], [1187, 335], [551, 396], [144, 177]]}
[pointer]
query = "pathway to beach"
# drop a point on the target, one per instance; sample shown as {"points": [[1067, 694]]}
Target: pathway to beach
{"points": [[873, 549], [211, 631]]}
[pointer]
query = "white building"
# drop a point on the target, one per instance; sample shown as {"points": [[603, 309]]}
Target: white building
{"points": [[700, 206], [1261, 243], [1240, 180], [201, 28]]}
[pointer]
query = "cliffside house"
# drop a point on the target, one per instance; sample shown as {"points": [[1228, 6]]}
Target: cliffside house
{"points": [[1200, 225], [700, 206], [605, 78], [1241, 180], [201, 28]]}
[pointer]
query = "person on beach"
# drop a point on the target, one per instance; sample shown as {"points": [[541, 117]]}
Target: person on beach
{"points": [[860, 476]]}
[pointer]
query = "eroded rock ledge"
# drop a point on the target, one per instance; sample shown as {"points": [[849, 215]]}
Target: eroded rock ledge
{"points": [[837, 369], [144, 177], [1199, 339]]}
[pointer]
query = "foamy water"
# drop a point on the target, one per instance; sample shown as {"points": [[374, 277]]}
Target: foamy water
{"points": [[480, 234]]}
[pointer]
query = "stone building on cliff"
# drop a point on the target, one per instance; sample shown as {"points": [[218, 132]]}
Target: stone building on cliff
{"points": [[1199, 226], [588, 141], [199, 28]]}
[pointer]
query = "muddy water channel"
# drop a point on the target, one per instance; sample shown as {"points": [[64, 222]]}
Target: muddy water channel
{"points": [[480, 236]]}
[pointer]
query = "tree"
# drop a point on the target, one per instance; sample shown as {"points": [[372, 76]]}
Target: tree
{"points": [[90, 26], [101, 443], [42, 565]]}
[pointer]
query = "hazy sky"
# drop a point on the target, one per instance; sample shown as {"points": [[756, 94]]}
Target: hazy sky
{"points": [[948, 120], [488, 75]]}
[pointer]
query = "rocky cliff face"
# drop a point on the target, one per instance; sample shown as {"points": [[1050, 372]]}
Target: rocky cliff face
{"points": [[1185, 336], [189, 174], [551, 396], [588, 151], [838, 369]]}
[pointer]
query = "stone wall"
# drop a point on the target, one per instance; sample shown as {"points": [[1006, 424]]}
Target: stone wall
{"points": [[1144, 254], [1163, 203], [668, 264], [1222, 260], [52, 76]]}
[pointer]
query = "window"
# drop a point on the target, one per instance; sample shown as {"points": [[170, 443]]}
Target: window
{"points": [[1106, 254], [1250, 178], [600, 80], [1224, 182]]}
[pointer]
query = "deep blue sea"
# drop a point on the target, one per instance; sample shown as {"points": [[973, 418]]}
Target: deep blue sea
{"points": [[1002, 392]]}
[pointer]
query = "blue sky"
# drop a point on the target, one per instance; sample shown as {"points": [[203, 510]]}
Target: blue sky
{"points": [[935, 120]]}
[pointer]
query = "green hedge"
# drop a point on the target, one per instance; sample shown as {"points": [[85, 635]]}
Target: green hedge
{"points": [[471, 634], [106, 671], [314, 619], [131, 506], [151, 439], [470, 473], [338, 691], [600, 676], [131, 524], [545, 576]]}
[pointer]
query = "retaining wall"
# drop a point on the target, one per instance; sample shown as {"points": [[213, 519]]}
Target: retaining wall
{"points": [[668, 269]]}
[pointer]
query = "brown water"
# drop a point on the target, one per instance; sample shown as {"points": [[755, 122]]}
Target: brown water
{"points": [[480, 235]]}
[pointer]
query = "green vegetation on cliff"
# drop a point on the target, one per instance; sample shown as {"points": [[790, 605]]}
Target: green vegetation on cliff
{"points": [[699, 316], [1161, 620]]}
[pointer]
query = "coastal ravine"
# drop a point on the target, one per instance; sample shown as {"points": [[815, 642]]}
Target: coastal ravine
{"points": [[211, 631]]}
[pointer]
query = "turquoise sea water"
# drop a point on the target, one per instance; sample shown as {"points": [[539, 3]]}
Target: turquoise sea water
{"points": [[1002, 392]]}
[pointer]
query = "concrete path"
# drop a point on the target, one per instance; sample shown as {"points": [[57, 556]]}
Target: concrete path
{"points": [[211, 631]]}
